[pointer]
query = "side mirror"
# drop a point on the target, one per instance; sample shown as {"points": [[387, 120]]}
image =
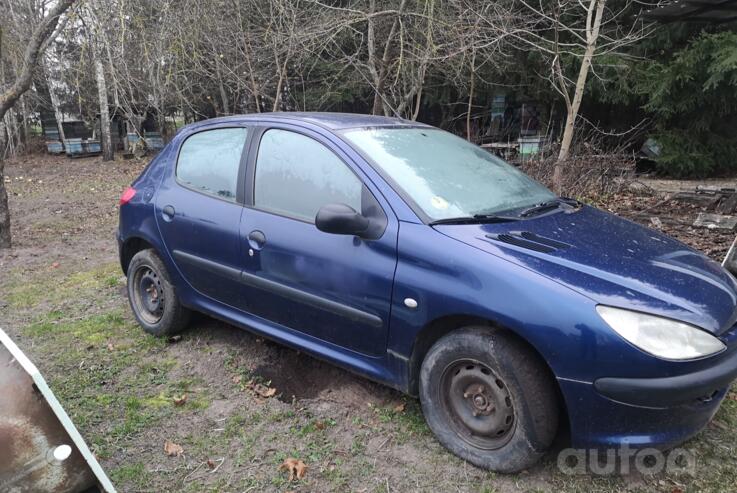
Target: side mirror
{"points": [[341, 219]]}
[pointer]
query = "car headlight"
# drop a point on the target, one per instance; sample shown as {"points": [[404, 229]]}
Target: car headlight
{"points": [[659, 336]]}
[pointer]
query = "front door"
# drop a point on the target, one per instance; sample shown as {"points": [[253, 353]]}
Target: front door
{"points": [[336, 288], [198, 213]]}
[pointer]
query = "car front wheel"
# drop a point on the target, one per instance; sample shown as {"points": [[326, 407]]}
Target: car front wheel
{"points": [[152, 296], [489, 399]]}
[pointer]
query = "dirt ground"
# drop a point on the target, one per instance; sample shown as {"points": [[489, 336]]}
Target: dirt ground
{"points": [[62, 298]]}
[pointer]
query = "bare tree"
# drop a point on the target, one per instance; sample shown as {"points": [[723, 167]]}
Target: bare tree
{"points": [[105, 138], [36, 44], [572, 34], [97, 49]]}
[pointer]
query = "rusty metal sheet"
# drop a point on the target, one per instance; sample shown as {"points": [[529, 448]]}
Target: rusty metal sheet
{"points": [[40, 448]]}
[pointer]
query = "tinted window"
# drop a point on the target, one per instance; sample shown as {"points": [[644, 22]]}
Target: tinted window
{"points": [[209, 161], [296, 175]]}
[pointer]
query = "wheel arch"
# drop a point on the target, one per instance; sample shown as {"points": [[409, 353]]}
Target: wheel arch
{"points": [[442, 326], [130, 247]]}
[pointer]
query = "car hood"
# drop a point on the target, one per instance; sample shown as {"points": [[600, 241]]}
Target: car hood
{"points": [[614, 262]]}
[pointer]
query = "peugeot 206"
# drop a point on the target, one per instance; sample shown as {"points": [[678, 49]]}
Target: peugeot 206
{"points": [[409, 256]]}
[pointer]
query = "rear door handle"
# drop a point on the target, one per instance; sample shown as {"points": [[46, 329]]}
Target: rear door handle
{"points": [[256, 239], [168, 212]]}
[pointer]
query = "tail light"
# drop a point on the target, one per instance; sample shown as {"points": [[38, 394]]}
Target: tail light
{"points": [[129, 193]]}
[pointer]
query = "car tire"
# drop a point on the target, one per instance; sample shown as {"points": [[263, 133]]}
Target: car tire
{"points": [[152, 296], [489, 399]]}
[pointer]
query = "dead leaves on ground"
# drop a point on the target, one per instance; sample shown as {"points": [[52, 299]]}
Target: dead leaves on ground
{"points": [[296, 468], [261, 390], [172, 449], [181, 400]]}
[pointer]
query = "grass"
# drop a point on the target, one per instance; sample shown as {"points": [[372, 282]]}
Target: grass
{"points": [[53, 286], [105, 376]]}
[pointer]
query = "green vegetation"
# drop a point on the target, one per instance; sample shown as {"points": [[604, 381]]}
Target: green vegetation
{"points": [[692, 97]]}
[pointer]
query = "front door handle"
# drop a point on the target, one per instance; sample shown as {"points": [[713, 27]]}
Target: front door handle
{"points": [[256, 239], [168, 212]]}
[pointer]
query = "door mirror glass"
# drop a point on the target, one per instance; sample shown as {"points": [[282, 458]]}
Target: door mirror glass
{"points": [[341, 219]]}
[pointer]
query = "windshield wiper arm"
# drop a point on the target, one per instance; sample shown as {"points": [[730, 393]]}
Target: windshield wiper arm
{"points": [[541, 207], [475, 219]]}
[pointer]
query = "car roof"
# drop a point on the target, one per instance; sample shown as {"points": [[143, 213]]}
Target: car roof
{"points": [[332, 121]]}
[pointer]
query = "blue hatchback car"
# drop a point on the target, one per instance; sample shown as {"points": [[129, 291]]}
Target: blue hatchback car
{"points": [[405, 254]]}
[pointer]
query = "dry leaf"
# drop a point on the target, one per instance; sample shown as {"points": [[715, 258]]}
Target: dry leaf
{"points": [[180, 401], [172, 449], [55, 265], [176, 338], [297, 469], [399, 408], [262, 390], [237, 379], [320, 425], [110, 346], [211, 463]]}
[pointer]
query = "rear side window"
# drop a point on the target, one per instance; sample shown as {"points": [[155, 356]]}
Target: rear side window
{"points": [[209, 161], [296, 175]]}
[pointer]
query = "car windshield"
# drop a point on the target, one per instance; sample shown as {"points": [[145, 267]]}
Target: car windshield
{"points": [[444, 175]]}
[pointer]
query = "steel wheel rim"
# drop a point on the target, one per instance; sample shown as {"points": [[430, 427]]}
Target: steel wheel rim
{"points": [[478, 404], [148, 294]]}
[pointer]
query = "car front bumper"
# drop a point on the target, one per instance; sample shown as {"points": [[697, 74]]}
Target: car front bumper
{"points": [[647, 412], [675, 390]]}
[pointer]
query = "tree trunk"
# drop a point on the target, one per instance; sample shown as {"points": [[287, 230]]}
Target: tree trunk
{"points": [[10, 143], [280, 84], [24, 125], [592, 36], [58, 115], [105, 138], [223, 93], [471, 88], [380, 73], [4, 211], [570, 126]]}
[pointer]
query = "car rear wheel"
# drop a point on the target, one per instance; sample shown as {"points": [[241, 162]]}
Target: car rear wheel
{"points": [[152, 296], [489, 399]]}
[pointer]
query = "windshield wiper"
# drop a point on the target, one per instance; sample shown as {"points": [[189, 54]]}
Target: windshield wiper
{"points": [[548, 205], [475, 219]]}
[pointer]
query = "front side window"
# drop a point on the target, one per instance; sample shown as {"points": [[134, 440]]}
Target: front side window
{"points": [[209, 161], [444, 175], [296, 175]]}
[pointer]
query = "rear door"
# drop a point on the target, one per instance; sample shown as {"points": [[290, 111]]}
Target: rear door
{"points": [[198, 210], [333, 287]]}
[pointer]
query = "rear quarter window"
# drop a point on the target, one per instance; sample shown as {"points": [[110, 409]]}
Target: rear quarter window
{"points": [[209, 161]]}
